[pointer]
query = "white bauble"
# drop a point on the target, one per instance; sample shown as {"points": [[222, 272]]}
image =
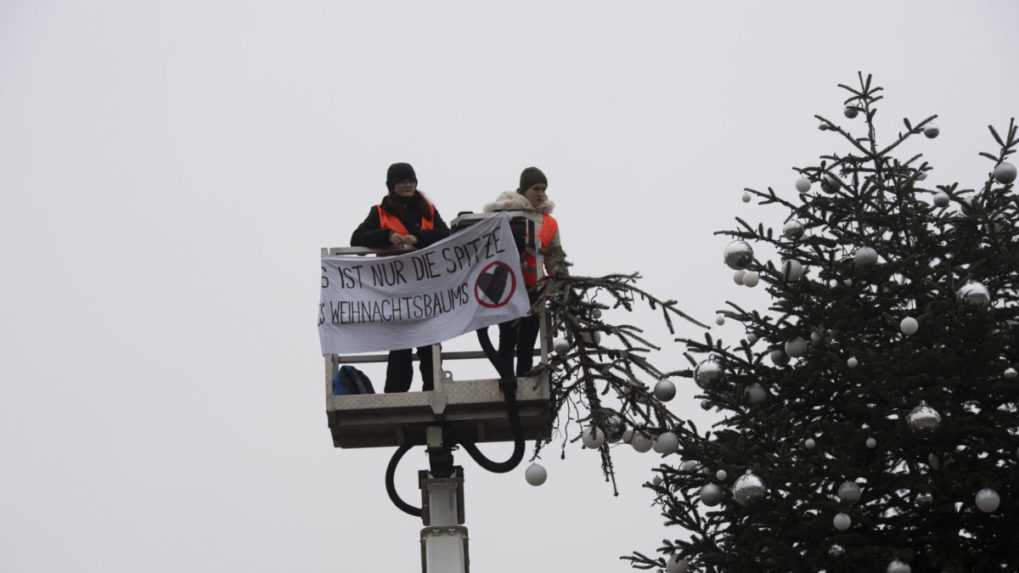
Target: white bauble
{"points": [[737, 277], [852, 362], [988, 500], [666, 443], [909, 326], [640, 442], [721, 475], [593, 437], [810, 443], [865, 257], [561, 346], [665, 390], [941, 199], [1011, 373], [751, 278], [897, 566], [842, 521], [792, 270], [803, 184], [871, 443], [627, 435], [535, 474], [849, 492], [1005, 172]]}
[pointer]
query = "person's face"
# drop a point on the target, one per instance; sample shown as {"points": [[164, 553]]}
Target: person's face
{"points": [[536, 194], [405, 188]]}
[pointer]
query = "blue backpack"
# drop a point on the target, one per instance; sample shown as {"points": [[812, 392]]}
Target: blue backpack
{"points": [[350, 380]]}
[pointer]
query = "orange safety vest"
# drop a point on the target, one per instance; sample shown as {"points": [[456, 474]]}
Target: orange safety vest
{"points": [[393, 223], [549, 226]]}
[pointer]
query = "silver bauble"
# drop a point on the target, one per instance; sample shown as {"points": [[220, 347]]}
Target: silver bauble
{"points": [[756, 393], [909, 326], [665, 390], [988, 500], [708, 372], [779, 357], [793, 229], [796, 347], [711, 494], [836, 550], [593, 437], [1005, 173], [931, 131], [897, 566], [561, 346], [641, 442], [751, 278], [923, 419], [849, 492], [738, 255], [535, 474], [852, 362], [1011, 373], [792, 270], [941, 199], [975, 293], [865, 257], [803, 184], [747, 488], [737, 276], [676, 565], [842, 521], [666, 443]]}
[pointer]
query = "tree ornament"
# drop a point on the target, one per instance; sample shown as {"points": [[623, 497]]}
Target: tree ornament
{"points": [[852, 362], [941, 199], [752, 338], [737, 276], [692, 466], [871, 443], [721, 475], [613, 424], [561, 346], [836, 551], [809, 443], [708, 372], [803, 185], [1005, 173], [746, 197], [738, 255], [793, 229], [931, 131], [665, 390], [796, 347], [596, 314], [897, 566], [711, 494], [792, 270], [923, 419], [830, 183], [666, 443], [842, 521], [851, 111], [988, 500], [909, 326], [627, 435], [719, 319], [779, 357], [676, 565], [975, 293], [590, 337], [593, 437], [747, 488], [535, 474], [865, 257], [1011, 373], [751, 279], [849, 492], [756, 393], [640, 442], [924, 498]]}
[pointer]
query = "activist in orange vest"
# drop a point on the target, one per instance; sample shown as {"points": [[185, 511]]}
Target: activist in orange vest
{"points": [[518, 337], [404, 219]]}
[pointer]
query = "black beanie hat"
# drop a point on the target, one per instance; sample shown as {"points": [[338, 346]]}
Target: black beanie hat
{"points": [[531, 176], [398, 172]]}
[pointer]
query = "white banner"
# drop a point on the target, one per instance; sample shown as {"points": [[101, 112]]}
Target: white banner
{"points": [[467, 281]]}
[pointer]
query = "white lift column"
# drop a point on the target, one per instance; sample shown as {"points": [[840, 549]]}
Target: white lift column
{"points": [[444, 537]]}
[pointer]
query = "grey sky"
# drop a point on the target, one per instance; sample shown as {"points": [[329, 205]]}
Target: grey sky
{"points": [[169, 170]]}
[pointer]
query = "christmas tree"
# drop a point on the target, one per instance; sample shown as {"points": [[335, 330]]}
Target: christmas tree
{"points": [[868, 420]]}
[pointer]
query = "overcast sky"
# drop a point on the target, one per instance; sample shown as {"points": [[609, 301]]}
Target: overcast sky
{"points": [[169, 171]]}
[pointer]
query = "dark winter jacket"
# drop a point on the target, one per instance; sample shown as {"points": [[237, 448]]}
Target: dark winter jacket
{"points": [[370, 233]]}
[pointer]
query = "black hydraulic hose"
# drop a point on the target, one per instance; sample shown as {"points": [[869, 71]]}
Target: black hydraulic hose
{"points": [[508, 384], [391, 484]]}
